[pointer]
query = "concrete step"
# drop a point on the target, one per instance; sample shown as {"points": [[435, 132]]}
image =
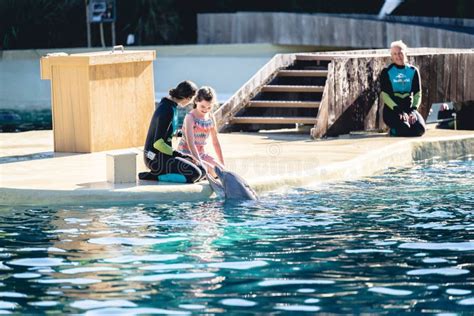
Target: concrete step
{"points": [[283, 104], [313, 57], [303, 73], [288, 88], [272, 120]]}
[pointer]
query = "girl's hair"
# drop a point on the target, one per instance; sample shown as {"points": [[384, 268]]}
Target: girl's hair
{"points": [[184, 90], [205, 94]]}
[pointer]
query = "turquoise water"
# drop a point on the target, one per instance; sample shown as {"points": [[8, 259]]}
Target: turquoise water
{"points": [[397, 243]]}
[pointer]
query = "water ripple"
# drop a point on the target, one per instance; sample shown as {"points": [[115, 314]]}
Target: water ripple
{"points": [[389, 291], [134, 311], [441, 271], [237, 302], [298, 308], [128, 259], [293, 282], [239, 265], [133, 241], [162, 277], [38, 262], [92, 304], [454, 246]]}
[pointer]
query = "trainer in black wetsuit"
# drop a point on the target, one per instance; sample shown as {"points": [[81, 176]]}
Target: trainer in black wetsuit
{"points": [[401, 93], [166, 164]]}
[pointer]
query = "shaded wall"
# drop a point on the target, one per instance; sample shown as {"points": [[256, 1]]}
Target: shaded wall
{"points": [[323, 30], [224, 67]]}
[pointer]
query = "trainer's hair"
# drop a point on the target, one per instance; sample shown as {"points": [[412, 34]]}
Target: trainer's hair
{"points": [[399, 44], [403, 48], [205, 94], [184, 90]]}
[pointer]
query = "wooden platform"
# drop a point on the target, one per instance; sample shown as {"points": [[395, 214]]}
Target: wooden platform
{"points": [[314, 57], [288, 88], [302, 73], [283, 104], [272, 120], [286, 91]]}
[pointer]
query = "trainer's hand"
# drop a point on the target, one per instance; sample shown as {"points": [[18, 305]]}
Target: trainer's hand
{"points": [[412, 118], [404, 117]]}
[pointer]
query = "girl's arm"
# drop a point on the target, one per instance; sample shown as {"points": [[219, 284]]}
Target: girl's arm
{"points": [[188, 132], [216, 143]]}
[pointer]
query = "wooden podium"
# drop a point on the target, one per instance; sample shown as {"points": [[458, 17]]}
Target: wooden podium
{"points": [[101, 100]]}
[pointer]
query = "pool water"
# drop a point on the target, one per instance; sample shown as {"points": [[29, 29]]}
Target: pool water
{"points": [[401, 242]]}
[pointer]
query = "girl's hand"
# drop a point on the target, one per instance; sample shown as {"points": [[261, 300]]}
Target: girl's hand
{"points": [[196, 161]]}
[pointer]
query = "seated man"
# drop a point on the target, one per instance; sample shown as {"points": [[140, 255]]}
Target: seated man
{"points": [[401, 94], [445, 117]]}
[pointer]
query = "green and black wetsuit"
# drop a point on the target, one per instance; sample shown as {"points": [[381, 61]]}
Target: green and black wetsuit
{"points": [[401, 93], [165, 163]]}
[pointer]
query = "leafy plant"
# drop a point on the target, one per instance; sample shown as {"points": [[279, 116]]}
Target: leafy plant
{"points": [[40, 23], [152, 22]]}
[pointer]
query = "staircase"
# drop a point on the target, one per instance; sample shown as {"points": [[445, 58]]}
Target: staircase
{"points": [[291, 98]]}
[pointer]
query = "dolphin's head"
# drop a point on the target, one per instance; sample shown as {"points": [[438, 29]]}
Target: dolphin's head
{"points": [[220, 173], [235, 186]]}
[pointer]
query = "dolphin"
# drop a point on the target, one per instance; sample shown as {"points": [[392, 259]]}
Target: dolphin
{"points": [[231, 186]]}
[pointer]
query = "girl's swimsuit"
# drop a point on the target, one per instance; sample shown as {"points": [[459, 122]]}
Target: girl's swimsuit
{"points": [[202, 128]]}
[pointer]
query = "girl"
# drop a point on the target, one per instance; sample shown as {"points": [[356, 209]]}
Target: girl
{"points": [[198, 125]]}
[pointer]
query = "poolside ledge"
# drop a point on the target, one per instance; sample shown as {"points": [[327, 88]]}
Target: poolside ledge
{"points": [[33, 175]]}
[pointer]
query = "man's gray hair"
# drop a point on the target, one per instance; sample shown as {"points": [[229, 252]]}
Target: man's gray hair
{"points": [[399, 44]]}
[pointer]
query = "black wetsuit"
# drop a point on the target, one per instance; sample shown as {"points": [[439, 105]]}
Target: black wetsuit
{"points": [[159, 155], [401, 93]]}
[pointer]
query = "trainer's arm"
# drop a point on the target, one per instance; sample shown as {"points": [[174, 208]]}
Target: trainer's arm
{"points": [[164, 121]]}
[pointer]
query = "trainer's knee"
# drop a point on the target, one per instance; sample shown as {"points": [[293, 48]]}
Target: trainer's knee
{"points": [[194, 176], [419, 131], [192, 172]]}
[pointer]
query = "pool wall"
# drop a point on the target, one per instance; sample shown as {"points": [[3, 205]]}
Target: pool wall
{"points": [[269, 162]]}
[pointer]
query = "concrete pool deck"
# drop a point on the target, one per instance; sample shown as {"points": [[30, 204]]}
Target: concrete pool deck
{"points": [[32, 174]]}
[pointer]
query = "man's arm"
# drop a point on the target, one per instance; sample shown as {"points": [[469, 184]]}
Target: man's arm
{"points": [[387, 91], [416, 90]]}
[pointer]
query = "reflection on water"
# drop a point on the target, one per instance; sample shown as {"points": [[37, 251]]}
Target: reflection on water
{"points": [[399, 242], [16, 120], [20, 120]]}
